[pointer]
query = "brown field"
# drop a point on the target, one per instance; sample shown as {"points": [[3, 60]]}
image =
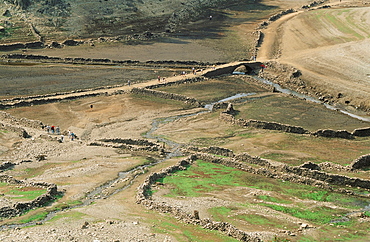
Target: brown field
{"points": [[328, 45]]}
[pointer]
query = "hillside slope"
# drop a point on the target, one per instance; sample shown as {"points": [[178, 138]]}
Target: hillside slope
{"points": [[54, 19], [331, 48]]}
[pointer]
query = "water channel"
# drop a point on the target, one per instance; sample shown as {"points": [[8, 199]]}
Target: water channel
{"points": [[174, 151], [311, 99], [98, 193]]}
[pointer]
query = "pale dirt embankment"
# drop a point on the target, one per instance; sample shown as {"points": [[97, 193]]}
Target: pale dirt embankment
{"points": [[331, 48]]}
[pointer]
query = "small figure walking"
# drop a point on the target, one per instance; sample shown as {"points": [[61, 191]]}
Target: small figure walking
{"points": [[210, 17], [129, 83], [73, 136], [57, 130], [159, 79]]}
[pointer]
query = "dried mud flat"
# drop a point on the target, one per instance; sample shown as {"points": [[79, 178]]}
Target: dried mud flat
{"points": [[78, 168]]}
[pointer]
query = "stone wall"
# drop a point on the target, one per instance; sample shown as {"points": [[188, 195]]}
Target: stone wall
{"points": [[19, 208], [65, 96], [20, 131], [298, 174], [212, 150], [281, 14], [105, 61], [314, 4], [262, 124], [363, 132], [43, 100], [361, 163], [16, 46], [305, 171], [24, 122], [130, 144], [178, 82], [333, 134], [166, 95], [144, 198], [328, 133]]}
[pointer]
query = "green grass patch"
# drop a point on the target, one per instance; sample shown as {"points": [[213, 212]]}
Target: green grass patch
{"points": [[320, 215], [26, 193], [220, 213], [34, 217], [276, 156], [33, 172], [257, 219], [73, 215], [273, 199], [347, 25], [67, 204], [20, 193], [203, 177]]}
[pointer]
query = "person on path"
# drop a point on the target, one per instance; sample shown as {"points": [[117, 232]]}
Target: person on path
{"points": [[73, 136]]}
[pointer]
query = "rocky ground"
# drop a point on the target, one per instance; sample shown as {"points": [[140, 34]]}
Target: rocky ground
{"points": [[79, 168]]}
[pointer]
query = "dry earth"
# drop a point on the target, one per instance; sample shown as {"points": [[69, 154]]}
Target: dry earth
{"points": [[330, 46], [78, 168]]}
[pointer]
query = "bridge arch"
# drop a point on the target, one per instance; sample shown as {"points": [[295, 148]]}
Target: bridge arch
{"points": [[250, 67]]}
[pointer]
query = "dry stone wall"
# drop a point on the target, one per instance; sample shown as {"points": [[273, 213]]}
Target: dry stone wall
{"points": [[130, 144], [364, 132], [18, 208], [25, 122], [144, 198], [328, 133], [20, 131], [104, 61], [361, 163], [299, 174], [166, 95], [212, 150], [262, 124], [179, 82], [43, 100]]}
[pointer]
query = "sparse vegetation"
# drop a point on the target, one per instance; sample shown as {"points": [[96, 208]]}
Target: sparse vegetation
{"points": [[249, 202]]}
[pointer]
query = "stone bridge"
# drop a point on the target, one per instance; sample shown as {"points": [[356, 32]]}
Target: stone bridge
{"points": [[230, 68]]}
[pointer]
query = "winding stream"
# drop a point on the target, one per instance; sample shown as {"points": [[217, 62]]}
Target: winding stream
{"points": [[98, 192], [174, 151], [311, 99]]}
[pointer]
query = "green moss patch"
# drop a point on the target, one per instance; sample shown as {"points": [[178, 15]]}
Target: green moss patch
{"points": [[20, 193]]}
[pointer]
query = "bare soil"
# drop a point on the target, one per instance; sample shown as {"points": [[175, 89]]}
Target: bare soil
{"points": [[332, 59]]}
